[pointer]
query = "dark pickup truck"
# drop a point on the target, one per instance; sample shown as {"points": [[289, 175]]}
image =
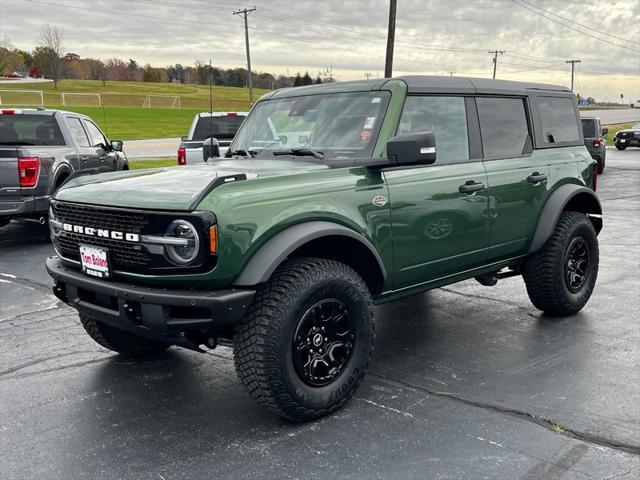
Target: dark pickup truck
{"points": [[39, 150]]}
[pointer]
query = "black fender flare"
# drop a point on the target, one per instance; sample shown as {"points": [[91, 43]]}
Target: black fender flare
{"points": [[264, 262], [566, 197]]}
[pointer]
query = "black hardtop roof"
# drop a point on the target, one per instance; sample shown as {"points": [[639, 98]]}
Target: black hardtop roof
{"points": [[425, 84], [436, 84]]}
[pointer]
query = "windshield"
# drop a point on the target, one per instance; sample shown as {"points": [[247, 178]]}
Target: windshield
{"points": [[339, 125], [217, 127], [37, 130]]}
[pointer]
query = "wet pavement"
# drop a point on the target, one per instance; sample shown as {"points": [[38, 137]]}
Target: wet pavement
{"points": [[466, 382]]}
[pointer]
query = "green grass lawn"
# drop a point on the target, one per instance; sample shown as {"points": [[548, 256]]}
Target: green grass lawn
{"points": [[123, 117], [613, 129], [132, 94], [140, 123], [151, 163]]}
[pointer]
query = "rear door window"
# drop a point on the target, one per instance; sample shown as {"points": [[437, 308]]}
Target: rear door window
{"points": [[558, 118], [38, 130], [78, 133], [446, 117], [503, 126]]}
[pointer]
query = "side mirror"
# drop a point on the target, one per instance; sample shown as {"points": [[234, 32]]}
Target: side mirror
{"points": [[412, 149], [116, 145], [210, 149], [184, 138], [605, 131]]}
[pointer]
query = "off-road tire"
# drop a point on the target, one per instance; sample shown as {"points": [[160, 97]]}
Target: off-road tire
{"points": [[601, 166], [544, 271], [119, 341], [263, 343]]}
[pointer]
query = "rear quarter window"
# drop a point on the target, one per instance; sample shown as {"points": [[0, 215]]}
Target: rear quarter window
{"points": [[558, 118], [38, 130]]}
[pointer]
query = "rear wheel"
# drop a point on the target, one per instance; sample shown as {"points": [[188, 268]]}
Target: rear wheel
{"points": [[306, 341], [119, 341], [561, 276]]}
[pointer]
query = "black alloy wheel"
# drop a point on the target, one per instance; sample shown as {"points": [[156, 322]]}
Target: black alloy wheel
{"points": [[576, 268], [323, 342]]}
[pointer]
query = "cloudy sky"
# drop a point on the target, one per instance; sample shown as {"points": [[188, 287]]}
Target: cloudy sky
{"points": [[432, 37]]}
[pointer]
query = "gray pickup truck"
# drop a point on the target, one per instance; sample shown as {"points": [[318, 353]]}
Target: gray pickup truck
{"points": [[39, 150]]}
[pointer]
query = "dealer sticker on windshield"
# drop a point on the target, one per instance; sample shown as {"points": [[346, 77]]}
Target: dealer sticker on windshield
{"points": [[95, 261]]}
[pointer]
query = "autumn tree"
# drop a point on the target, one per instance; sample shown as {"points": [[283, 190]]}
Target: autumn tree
{"points": [[51, 44]]}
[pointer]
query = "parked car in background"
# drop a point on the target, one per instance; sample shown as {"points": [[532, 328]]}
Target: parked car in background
{"points": [[220, 125], [627, 138], [39, 150], [635, 104], [594, 140], [13, 75]]}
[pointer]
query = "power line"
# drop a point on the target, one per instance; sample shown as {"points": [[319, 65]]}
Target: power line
{"points": [[580, 24], [129, 14], [573, 28]]}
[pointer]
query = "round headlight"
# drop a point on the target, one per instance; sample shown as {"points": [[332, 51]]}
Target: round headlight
{"points": [[186, 245]]}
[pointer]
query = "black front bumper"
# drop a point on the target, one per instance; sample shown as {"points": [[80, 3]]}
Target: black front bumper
{"points": [[173, 316]]}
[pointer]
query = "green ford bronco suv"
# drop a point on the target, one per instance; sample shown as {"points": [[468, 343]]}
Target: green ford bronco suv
{"points": [[331, 199]]}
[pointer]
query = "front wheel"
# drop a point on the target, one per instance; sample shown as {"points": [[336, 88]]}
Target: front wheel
{"points": [[621, 147], [561, 276], [306, 341]]}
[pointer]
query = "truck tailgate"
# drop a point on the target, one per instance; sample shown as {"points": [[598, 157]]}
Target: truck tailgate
{"points": [[9, 180]]}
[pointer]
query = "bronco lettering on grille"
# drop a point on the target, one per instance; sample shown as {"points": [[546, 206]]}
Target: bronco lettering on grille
{"points": [[99, 232]]}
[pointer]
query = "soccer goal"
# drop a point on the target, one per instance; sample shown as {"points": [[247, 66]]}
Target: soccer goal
{"points": [[81, 99], [161, 101], [22, 98]]}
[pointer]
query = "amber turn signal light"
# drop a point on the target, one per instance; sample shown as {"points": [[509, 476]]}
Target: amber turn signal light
{"points": [[213, 239]]}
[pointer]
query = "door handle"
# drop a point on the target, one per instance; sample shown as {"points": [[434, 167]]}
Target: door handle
{"points": [[84, 158], [471, 187], [536, 178]]}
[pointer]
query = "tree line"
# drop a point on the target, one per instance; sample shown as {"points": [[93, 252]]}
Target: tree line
{"points": [[50, 60]]}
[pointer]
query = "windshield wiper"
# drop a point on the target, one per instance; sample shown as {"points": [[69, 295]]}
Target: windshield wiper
{"points": [[302, 152], [241, 151]]}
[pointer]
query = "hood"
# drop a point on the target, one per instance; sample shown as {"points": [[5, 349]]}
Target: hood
{"points": [[170, 188]]}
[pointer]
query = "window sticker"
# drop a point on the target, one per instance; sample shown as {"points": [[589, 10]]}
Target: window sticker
{"points": [[376, 100], [369, 122]]}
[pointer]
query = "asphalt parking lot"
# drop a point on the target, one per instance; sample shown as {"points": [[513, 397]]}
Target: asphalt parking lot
{"points": [[467, 382]]}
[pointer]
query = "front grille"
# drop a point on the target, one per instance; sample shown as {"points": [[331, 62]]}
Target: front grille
{"points": [[123, 255]]}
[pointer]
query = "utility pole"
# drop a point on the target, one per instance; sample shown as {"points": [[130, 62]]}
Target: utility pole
{"points": [[367, 75], [451, 74], [573, 66], [391, 36], [495, 54], [245, 12]]}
